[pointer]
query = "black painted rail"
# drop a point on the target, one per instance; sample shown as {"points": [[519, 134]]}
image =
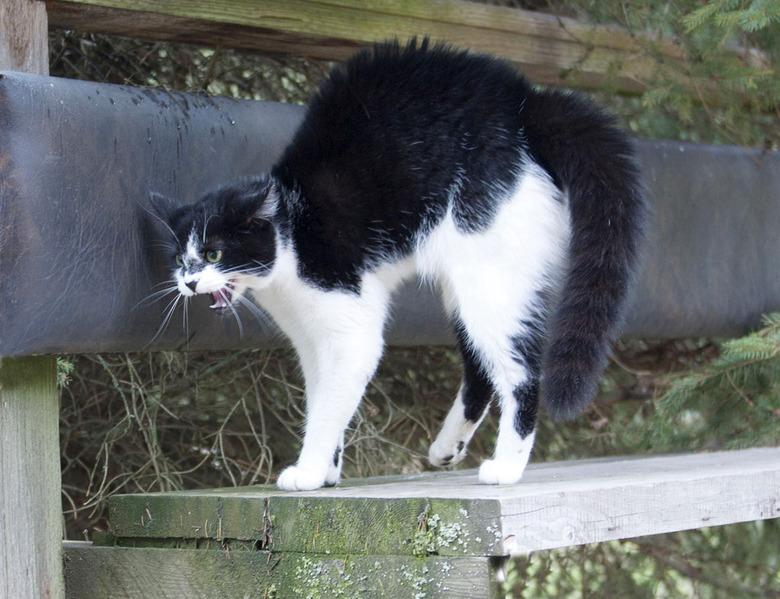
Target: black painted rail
{"points": [[78, 161]]}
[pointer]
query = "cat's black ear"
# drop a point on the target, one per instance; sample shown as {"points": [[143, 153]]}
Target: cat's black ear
{"points": [[162, 206], [158, 211], [256, 199], [156, 233], [269, 188]]}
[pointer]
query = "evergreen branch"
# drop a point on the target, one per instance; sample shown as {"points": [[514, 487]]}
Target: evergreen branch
{"points": [[729, 14], [734, 397]]}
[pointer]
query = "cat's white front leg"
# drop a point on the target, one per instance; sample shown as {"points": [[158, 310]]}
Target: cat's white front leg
{"points": [[339, 354], [301, 478], [310, 472], [330, 406]]}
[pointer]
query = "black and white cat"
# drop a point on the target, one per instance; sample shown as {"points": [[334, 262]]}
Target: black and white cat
{"points": [[522, 206]]}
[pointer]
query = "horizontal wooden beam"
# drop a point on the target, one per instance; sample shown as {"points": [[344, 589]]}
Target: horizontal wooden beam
{"points": [[451, 514], [140, 573], [549, 49], [93, 244]]}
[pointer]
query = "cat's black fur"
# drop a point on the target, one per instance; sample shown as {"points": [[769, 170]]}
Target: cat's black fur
{"points": [[397, 141], [363, 132]]}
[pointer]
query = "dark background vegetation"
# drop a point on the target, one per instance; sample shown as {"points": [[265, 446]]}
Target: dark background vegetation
{"points": [[163, 421]]}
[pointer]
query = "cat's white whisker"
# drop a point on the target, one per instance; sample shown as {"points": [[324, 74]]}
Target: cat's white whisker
{"points": [[167, 315], [156, 296], [164, 246], [234, 311], [205, 228], [185, 317], [253, 308], [248, 269]]}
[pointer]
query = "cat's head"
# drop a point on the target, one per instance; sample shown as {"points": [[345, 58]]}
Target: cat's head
{"points": [[224, 243]]}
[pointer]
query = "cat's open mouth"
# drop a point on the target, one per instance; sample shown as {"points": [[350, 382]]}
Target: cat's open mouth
{"points": [[223, 298], [220, 298]]}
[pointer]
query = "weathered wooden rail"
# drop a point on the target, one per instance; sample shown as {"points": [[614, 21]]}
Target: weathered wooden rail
{"points": [[549, 49], [77, 159], [75, 220]]}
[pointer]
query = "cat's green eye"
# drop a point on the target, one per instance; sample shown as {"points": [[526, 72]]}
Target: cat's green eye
{"points": [[213, 256], [178, 260]]}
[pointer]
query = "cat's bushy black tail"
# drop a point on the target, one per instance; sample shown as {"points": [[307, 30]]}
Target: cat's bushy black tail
{"points": [[593, 162]]}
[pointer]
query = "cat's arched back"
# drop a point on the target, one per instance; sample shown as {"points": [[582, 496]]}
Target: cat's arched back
{"points": [[523, 207]]}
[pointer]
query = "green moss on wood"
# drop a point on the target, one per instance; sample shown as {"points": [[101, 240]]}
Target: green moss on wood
{"points": [[114, 571], [310, 524]]}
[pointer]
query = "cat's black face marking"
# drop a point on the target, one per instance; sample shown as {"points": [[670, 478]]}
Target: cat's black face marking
{"points": [[228, 227], [221, 243]]}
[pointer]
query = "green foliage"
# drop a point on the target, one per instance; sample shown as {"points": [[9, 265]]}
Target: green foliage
{"points": [[739, 561], [730, 14], [732, 402], [64, 371], [725, 89]]}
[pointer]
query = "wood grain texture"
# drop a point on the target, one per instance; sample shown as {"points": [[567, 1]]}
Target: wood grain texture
{"points": [[30, 507], [550, 50], [24, 36], [133, 573], [555, 505]]}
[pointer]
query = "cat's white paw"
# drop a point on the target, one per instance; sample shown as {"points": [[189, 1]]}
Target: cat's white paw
{"points": [[296, 478], [445, 454], [333, 477], [500, 472]]}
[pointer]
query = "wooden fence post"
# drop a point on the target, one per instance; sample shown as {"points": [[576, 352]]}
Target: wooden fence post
{"points": [[24, 35], [30, 505], [30, 482]]}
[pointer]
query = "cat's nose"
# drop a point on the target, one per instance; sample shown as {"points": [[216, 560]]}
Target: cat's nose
{"points": [[192, 285]]}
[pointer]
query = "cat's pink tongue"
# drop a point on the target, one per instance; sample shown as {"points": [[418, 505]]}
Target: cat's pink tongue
{"points": [[220, 301]]}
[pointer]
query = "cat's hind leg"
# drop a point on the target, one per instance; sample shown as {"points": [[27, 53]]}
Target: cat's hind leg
{"points": [[519, 401], [497, 281], [511, 364], [501, 330], [467, 412]]}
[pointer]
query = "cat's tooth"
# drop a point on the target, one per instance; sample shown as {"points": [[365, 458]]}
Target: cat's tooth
{"points": [[220, 300]]}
